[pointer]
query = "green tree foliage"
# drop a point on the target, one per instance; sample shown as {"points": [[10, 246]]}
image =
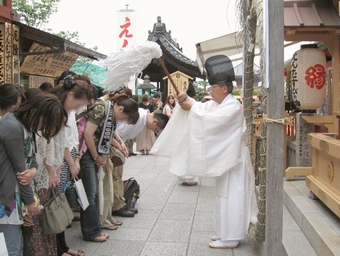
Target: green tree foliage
{"points": [[201, 89], [35, 13]]}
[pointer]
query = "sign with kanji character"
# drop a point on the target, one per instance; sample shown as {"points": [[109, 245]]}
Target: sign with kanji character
{"points": [[51, 65], [16, 56], [126, 27], [36, 81], [181, 81], [2, 53], [8, 53]]}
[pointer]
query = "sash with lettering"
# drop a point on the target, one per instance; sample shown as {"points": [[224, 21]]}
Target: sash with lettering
{"points": [[108, 130]]}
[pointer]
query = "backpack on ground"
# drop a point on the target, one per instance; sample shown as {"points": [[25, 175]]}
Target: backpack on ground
{"points": [[131, 186]]}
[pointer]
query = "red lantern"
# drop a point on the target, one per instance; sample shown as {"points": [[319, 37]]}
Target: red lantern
{"points": [[309, 77]]}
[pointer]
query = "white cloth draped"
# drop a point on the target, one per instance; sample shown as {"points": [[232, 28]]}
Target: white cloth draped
{"points": [[209, 141]]}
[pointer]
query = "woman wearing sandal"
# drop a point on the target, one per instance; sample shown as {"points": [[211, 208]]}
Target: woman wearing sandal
{"points": [[73, 92], [100, 127]]}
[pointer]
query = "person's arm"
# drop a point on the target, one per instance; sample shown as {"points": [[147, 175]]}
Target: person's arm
{"points": [[53, 176], [88, 135], [73, 168], [27, 176], [116, 144], [157, 109], [122, 144], [94, 118], [14, 144]]}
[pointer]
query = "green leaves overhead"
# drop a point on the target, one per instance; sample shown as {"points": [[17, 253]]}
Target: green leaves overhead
{"points": [[35, 13]]}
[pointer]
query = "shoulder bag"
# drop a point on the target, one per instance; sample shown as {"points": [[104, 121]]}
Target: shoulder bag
{"points": [[57, 214]]}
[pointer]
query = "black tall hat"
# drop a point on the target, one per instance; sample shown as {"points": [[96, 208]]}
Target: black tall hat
{"points": [[220, 70], [191, 90]]}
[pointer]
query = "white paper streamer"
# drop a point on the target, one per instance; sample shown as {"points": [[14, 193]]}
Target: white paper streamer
{"points": [[128, 62]]}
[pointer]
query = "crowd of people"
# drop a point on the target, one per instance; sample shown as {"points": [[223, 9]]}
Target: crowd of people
{"points": [[44, 146], [52, 135]]}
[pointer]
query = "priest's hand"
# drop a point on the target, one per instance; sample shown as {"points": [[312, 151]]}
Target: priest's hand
{"points": [[181, 97], [183, 101], [186, 105]]}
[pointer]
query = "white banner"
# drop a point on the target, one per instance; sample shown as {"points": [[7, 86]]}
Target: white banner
{"points": [[126, 27]]}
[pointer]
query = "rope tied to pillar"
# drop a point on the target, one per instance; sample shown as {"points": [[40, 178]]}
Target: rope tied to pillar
{"points": [[284, 121]]}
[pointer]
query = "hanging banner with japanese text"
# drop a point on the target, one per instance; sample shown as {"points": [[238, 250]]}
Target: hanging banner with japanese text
{"points": [[2, 53], [8, 53], [16, 56], [126, 28]]}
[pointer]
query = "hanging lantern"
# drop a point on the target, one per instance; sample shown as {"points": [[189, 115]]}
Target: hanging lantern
{"points": [[308, 77]]}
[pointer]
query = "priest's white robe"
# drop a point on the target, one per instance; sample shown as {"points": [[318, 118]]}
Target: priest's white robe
{"points": [[209, 141]]}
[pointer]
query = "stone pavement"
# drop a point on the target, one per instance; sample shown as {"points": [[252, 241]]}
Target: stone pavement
{"points": [[173, 219]]}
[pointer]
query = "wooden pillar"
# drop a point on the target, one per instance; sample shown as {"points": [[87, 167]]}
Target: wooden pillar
{"points": [[335, 76], [274, 32]]}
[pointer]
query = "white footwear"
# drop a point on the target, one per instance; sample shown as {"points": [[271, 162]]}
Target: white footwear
{"points": [[219, 244], [215, 238]]}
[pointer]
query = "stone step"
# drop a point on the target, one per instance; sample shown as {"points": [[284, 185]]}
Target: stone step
{"points": [[319, 225]]}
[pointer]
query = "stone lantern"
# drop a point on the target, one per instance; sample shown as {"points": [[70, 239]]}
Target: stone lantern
{"points": [[147, 86]]}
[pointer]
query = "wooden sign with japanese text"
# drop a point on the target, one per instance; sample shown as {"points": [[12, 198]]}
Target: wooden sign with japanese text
{"points": [[2, 53], [181, 80], [16, 56], [8, 53], [36, 81], [51, 65]]}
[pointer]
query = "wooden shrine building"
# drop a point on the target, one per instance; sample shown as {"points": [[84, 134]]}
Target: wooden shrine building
{"points": [[173, 57]]}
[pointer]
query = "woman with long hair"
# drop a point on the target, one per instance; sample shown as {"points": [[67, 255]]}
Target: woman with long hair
{"points": [[46, 178], [11, 95], [169, 105], [72, 93], [42, 115], [100, 128]]}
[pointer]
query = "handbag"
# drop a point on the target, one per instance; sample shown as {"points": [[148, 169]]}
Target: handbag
{"points": [[57, 214], [72, 196], [117, 157], [81, 194]]}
